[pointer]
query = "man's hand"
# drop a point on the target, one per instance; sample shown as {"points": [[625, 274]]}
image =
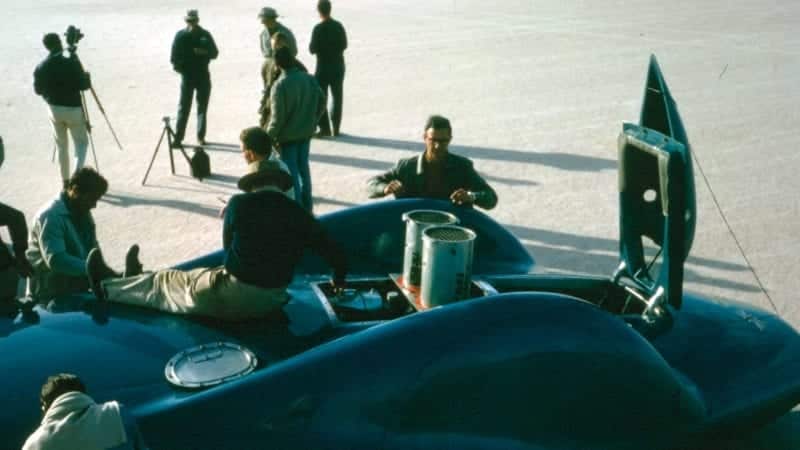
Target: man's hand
{"points": [[24, 267], [462, 196], [338, 287], [394, 187]]}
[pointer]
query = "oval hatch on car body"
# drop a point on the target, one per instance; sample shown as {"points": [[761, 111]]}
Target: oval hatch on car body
{"points": [[209, 365]]}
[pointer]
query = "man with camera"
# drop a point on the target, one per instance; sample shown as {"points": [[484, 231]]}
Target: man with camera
{"points": [[60, 80], [192, 51]]}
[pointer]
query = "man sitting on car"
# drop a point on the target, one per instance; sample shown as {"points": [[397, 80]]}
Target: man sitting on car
{"points": [[264, 236]]}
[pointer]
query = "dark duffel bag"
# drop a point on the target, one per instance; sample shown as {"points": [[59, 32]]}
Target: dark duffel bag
{"points": [[200, 164]]}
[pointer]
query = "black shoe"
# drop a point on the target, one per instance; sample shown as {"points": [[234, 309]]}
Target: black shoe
{"points": [[132, 265], [96, 271], [322, 134], [201, 141], [177, 144]]}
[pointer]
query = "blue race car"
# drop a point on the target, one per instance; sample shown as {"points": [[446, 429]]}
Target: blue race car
{"points": [[527, 361]]}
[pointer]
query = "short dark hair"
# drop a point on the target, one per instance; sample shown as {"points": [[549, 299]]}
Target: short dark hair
{"points": [[88, 180], [58, 385], [438, 122], [257, 140], [284, 58], [324, 7], [52, 42]]}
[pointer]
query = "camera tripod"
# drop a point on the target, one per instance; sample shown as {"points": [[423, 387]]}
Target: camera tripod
{"points": [[170, 134], [73, 50]]}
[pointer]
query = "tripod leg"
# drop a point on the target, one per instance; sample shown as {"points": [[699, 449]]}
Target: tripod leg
{"points": [[170, 140], [155, 152], [94, 154], [103, 112], [89, 130]]}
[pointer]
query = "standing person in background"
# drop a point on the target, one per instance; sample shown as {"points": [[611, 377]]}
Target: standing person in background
{"points": [[328, 42], [60, 80], [192, 51], [296, 103], [277, 40], [269, 18], [71, 419]]}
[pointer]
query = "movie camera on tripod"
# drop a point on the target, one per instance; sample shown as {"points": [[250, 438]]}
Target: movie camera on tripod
{"points": [[73, 35]]}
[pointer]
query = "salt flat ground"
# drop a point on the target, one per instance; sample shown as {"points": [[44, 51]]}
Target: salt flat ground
{"points": [[536, 91]]}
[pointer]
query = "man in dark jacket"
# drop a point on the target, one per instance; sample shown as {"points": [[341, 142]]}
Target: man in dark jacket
{"points": [[192, 50], [437, 173], [328, 42], [60, 80]]}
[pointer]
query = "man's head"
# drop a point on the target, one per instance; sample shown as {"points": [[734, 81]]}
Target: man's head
{"points": [[255, 144], [52, 42], [324, 8], [268, 16], [284, 58], [438, 134], [58, 385], [84, 189], [192, 18]]}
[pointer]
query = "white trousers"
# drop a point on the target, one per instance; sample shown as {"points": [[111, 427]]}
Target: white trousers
{"points": [[69, 118], [211, 292]]}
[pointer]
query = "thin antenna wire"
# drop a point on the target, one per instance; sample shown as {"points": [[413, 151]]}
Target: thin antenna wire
{"points": [[730, 230]]}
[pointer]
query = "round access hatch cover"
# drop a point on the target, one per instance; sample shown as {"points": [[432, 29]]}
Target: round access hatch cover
{"points": [[209, 364]]}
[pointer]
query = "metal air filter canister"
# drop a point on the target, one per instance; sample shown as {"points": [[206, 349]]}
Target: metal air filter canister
{"points": [[446, 264], [416, 222]]}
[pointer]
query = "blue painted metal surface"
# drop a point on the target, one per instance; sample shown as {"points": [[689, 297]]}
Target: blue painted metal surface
{"points": [[546, 362], [373, 236]]}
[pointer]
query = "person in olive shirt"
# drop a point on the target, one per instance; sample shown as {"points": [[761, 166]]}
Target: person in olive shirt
{"points": [[60, 80], [328, 42], [192, 50], [436, 173]]}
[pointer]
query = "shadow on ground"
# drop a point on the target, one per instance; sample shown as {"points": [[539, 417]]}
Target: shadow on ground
{"points": [[585, 254], [559, 160], [126, 201], [381, 166]]}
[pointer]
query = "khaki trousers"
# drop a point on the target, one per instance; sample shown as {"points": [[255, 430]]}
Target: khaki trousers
{"points": [[211, 292], [69, 118]]}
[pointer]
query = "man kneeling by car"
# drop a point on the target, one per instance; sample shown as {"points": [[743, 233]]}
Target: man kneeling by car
{"points": [[264, 237]]}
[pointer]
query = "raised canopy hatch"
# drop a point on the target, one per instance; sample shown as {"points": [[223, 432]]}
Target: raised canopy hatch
{"points": [[657, 199]]}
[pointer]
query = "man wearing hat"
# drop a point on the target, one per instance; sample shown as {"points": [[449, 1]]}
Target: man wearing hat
{"points": [[264, 236], [192, 50], [269, 17]]}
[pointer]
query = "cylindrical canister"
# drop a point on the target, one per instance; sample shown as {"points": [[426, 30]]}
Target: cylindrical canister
{"points": [[446, 264], [416, 222]]}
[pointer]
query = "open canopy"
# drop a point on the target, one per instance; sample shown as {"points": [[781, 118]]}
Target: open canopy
{"points": [[657, 198]]}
